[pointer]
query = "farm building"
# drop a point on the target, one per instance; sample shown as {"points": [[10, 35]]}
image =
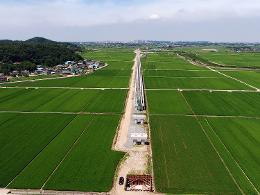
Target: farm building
{"points": [[139, 119], [69, 62], [139, 138], [66, 72], [94, 65], [3, 78]]}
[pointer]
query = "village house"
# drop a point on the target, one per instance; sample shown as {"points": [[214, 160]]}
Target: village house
{"points": [[3, 78]]}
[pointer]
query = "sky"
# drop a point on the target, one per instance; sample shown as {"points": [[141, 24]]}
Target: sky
{"points": [[126, 20]]}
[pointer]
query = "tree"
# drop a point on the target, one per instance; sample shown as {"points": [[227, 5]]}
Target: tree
{"points": [[38, 51]]}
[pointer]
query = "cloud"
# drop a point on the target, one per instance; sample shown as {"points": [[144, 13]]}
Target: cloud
{"points": [[61, 14], [87, 13], [154, 17]]}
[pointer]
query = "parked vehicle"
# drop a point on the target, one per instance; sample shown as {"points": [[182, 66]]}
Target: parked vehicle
{"points": [[121, 180]]}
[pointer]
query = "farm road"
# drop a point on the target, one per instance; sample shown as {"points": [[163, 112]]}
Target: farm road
{"points": [[136, 160]]}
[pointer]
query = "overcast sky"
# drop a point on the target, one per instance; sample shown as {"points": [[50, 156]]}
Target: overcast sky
{"points": [[124, 20]]}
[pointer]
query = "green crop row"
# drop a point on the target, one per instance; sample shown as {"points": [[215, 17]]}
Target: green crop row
{"points": [[217, 153], [193, 83], [250, 77], [238, 146], [153, 61], [250, 60], [79, 158], [181, 73], [91, 164], [22, 138], [64, 151], [184, 160], [88, 81], [62, 100]]}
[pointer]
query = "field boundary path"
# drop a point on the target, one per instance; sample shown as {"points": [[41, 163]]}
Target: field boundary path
{"points": [[65, 113], [48, 192], [238, 80], [72, 88], [200, 89]]}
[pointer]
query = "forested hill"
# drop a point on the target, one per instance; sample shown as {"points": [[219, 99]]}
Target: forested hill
{"points": [[39, 51], [40, 40]]}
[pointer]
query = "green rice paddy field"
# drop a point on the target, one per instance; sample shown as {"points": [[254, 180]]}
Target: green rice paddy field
{"points": [[203, 142], [118, 79], [34, 77], [58, 134], [182, 75], [250, 77], [244, 59], [165, 60], [62, 100]]}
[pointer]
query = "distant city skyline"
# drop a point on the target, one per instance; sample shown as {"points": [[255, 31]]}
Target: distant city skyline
{"points": [[117, 20]]}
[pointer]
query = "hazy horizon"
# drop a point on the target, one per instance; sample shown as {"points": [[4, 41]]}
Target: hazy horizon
{"points": [[114, 20]]}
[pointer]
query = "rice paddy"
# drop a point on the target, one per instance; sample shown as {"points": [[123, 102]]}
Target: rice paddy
{"points": [[55, 133], [204, 127]]}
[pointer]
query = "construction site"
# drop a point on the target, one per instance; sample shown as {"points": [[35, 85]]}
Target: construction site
{"points": [[133, 138]]}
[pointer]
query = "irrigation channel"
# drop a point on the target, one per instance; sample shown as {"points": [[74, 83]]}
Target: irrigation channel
{"points": [[133, 137]]}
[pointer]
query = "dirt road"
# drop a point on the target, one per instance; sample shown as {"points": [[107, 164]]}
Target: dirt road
{"points": [[121, 139], [137, 160]]}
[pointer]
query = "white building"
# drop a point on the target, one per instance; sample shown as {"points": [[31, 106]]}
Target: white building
{"points": [[139, 138]]}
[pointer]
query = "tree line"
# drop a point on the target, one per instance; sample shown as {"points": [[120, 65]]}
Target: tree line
{"points": [[25, 55]]}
